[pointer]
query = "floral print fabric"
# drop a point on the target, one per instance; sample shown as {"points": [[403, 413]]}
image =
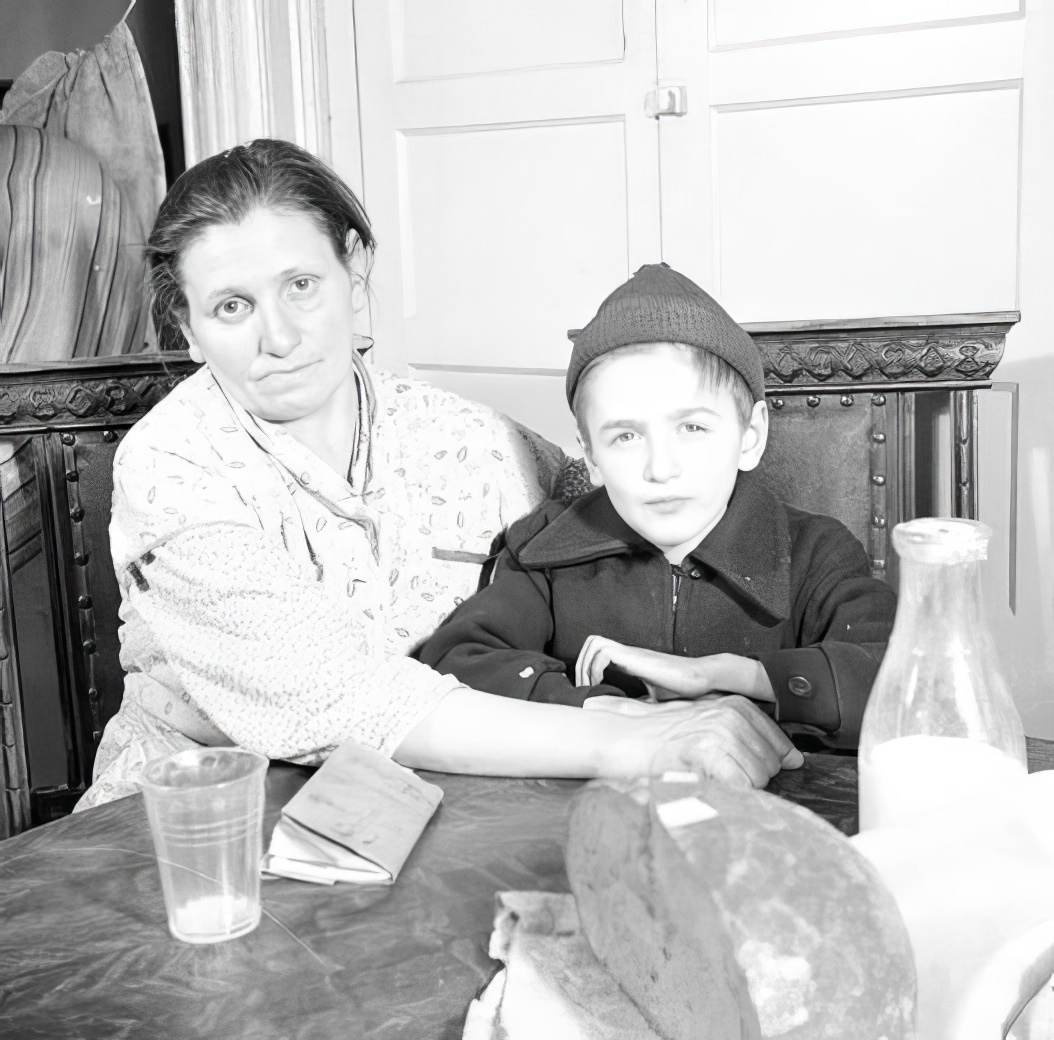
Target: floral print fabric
{"points": [[270, 602]]}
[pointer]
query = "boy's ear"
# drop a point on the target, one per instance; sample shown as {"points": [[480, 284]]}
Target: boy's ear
{"points": [[595, 477], [192, 344], [755, 437]]}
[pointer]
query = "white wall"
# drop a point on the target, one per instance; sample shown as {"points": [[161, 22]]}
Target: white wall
{"points": [[1026, 640], [895, 159], [879, 158]]}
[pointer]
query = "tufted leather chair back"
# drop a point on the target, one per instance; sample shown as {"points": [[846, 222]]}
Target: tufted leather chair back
{"points": [[60, 676]]}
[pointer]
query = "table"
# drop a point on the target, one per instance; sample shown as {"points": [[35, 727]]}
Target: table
{"points": [[85, 951]]}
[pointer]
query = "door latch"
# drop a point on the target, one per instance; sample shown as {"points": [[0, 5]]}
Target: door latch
{"points": [[666, 101]]}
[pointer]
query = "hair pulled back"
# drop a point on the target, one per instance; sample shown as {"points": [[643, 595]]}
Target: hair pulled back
{"points": [[225, 189]]}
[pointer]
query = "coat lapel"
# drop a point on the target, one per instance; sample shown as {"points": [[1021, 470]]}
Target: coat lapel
{"points": [[749, 547]]}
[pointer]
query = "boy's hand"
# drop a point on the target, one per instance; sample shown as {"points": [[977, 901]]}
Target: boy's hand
{"points": [[670, 677]]}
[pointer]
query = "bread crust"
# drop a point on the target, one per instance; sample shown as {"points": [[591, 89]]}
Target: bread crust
{"points": [[737, 915]]}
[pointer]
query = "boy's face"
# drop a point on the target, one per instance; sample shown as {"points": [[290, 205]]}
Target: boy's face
{"points": [[665, 445]]}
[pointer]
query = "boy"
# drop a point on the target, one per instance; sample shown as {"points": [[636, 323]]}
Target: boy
{"points": [[680, 575]]}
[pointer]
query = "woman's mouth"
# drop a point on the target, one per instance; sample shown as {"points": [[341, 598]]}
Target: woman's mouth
{"points": [[290, 370]]}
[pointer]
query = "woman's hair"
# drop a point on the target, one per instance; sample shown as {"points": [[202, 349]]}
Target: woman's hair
{"points": [[225, 189]]}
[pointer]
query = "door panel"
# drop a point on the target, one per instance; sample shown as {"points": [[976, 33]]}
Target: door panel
{"points": [[512, 178], [867, 172], [892, 201], [506, 231], [435, 38], [739, 22]]}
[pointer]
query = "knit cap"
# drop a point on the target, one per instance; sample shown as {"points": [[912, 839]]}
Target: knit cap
{"points": [[660, 305]]}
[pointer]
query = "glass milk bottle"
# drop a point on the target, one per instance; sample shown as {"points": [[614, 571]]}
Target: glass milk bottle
{"points": [[940, 723]]}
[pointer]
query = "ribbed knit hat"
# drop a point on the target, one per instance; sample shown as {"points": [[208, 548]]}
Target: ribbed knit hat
{"points": [[660, 305]]}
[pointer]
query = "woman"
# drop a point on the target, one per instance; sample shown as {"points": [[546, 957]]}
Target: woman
{"points": [[287, 524]]}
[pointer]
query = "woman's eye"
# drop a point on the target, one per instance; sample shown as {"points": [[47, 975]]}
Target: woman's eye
{"points": [[232, 308], [302, 286]]}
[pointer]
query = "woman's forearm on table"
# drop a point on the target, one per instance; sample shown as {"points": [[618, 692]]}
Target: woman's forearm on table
{"points": [[473, 732], [727, 738]]}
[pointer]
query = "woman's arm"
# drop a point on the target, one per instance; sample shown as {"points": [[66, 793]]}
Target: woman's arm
{"points": [[471, 732], [239, 638]]}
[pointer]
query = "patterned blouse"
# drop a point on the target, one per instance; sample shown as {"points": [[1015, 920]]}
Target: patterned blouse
{"points": [[270, 602]]}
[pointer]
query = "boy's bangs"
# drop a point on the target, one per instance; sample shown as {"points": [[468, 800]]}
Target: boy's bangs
{"points": [[714, 372]]}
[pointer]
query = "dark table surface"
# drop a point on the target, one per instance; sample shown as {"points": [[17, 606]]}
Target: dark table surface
{"points": [[85, 951]]}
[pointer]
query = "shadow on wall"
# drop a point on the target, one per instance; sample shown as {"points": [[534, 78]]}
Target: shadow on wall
{"points": [[1023, 637]]}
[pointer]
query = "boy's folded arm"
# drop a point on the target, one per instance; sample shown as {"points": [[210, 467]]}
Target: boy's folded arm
{"points": [[495, 641]]}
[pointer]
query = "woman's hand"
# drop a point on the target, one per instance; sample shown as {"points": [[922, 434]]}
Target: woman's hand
{"points": [[668, 676], [726, 738]]}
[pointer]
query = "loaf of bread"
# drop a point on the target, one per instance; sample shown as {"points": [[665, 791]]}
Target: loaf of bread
{"points": [[735, 915]]}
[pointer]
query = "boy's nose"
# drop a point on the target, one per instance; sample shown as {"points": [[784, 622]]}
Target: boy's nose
{"points": [[279, 333], [662, 464]]}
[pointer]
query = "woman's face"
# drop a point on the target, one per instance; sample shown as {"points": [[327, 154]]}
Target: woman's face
{"points": [[271, 309]]}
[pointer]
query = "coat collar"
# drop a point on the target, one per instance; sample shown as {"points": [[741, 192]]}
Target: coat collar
{"points": [[749, 547]]}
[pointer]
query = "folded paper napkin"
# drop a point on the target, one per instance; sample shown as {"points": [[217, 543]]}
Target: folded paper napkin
{"points": [[355, 820]]}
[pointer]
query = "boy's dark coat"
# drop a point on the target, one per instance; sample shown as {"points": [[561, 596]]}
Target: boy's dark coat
{"points": [[790, 588]]}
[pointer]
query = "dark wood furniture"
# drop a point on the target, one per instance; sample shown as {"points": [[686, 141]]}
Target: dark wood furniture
{"points": [[857, 406], [85, 951], [60, 679], [854, 407]]}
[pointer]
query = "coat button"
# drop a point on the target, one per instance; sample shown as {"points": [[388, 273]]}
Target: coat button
{"points": [[799, 686]]}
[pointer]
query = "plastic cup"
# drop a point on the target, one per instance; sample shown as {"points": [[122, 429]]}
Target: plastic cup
{"points": [[205, 808]]}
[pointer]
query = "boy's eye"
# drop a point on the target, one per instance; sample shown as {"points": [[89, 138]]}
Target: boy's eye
{"points": [[692, 427], [624, 438]]}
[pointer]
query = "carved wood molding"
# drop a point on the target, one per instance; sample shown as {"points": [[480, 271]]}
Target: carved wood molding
{"points": [[86, 393], [936, 348]]}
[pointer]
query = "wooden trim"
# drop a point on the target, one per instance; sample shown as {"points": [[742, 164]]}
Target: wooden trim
{"points": [[919, 350], [856, 352], [63, 395], [252, 68]]}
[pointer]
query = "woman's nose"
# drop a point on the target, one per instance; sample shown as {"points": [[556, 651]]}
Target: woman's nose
{"points": [[279, 333]]}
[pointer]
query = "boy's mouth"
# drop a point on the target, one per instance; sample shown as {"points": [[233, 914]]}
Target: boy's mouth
{"points": [[665, 505]]}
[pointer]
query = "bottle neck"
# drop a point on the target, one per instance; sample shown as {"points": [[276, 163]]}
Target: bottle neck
{"points": [[936, 597]]}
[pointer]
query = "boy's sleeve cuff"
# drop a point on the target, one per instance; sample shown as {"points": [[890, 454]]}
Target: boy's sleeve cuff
{"points": [[556, 688], [804, 685]]}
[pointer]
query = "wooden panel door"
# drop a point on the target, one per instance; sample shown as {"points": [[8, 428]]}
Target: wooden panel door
{"points": [[512, 178], [844, 160]]}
